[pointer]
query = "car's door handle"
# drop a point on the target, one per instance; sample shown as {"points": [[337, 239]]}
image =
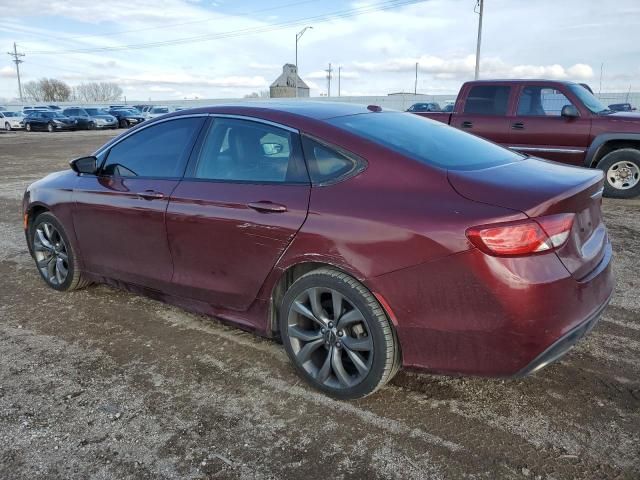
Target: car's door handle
{"points": [[467, 124], [517, 126], [267, 207], [151, 195]]}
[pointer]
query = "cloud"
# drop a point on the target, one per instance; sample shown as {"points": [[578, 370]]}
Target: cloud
{"points": [[7, 72]]}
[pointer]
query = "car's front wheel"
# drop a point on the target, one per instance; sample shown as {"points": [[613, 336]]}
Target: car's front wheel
{"points": [[28, 127], [7, 126], [50, 127], [622, 173], [337, 335], [123, 123], [55, 258]]}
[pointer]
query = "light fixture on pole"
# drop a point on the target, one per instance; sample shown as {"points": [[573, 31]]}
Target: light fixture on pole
{"points": [[298, 36]]}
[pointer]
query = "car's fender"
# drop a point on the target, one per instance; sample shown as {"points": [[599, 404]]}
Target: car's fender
{"points": [[601, 140]]}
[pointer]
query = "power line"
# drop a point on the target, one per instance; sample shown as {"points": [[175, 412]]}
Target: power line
{"points": [[16, 59], [191, 22], [387, 5]]}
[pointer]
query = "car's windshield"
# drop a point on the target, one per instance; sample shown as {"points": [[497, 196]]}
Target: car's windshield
{"points": [[587, 98], [53, 115], [426, 140], [12, 114], [160, 110]]}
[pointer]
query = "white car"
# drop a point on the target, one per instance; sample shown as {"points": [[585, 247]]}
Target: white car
{"points": [[156, 112], [11, 120]]}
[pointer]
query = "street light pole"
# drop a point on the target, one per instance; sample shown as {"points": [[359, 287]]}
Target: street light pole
{"points": [[480, 4], [298, 37]]}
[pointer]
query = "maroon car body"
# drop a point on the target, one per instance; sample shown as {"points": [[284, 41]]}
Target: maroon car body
{"points": [[529, 116], [399, 226]]}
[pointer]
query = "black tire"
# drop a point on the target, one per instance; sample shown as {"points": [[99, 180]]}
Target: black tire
{"points": [[74, 279], [627, 162], [7, 126], [27, 127], [50, 128], [92, 126], [123, 123], [385, 352]]}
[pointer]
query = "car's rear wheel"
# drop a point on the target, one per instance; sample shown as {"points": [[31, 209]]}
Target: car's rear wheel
{"points": [[622, 173], [55, 258], [50, 127], [7, 126], [91, 126], [337, 335]]}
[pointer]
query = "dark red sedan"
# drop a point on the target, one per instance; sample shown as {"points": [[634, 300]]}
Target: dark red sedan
{"points": [[366, 240]]}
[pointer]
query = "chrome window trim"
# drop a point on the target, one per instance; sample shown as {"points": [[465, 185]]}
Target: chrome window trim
{"points": [[112, 144], [255, 119], [539, 149]]}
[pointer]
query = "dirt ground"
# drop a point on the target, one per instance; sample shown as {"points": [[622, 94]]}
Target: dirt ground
{"points": [[101, 383]]}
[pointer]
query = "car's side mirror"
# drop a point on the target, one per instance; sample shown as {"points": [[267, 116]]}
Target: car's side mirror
{"points": [[569, 111], [88, 165]]}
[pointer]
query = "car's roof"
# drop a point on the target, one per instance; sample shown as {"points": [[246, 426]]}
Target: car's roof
{"points": [[521, 80], [318, 110]]}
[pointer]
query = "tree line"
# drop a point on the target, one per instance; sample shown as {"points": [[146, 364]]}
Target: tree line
{"points": [[54, 90]]}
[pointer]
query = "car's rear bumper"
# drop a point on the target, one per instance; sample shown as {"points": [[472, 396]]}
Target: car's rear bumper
{"points": [[561, 346], [470, 313]]}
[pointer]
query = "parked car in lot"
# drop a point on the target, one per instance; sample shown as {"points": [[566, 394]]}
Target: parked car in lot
{"points": [[126, 117], [49, 121], [102, 118], [156, 112], [621, 107], [11, 120], [425, 107], [559, 121], [81, 116], [366, 240]]}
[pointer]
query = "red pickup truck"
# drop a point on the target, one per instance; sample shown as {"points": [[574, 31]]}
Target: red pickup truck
{"points": [[559, 121]]}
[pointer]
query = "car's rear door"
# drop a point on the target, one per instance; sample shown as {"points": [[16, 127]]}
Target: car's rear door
{"points": [[484, 111], [119, 214], [537, 127], [244, 197]]}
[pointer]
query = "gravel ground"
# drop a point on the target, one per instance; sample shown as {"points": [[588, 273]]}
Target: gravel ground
{"points": [[101, 383]]}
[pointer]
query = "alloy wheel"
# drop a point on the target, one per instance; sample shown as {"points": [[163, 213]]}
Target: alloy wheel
{"points": [[330, 338], [7, 127], [51, 254], [28, 127], [50, 128], [623, 175]]}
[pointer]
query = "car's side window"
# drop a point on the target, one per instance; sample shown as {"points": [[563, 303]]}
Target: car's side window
{"points": [[488, 100], [237, 150], [158, 151], [541, 101], [328, 164]]}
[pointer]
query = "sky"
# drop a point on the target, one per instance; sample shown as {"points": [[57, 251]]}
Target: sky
{"points": [[185, 49]]}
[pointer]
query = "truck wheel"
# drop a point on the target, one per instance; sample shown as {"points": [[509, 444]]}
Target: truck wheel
{"points": [[621, 173]]}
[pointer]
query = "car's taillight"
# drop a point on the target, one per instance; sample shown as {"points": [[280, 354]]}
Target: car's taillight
{"points": [[522, 237]]}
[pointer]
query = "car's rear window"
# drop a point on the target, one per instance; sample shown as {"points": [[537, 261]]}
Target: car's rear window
{"points": [[427, 141]]}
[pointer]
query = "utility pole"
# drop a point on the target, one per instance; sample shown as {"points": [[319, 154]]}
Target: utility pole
{"points": [[298, 36], [480, 6], [16, 59], [329, 70], [415, 84], [339, 70]]}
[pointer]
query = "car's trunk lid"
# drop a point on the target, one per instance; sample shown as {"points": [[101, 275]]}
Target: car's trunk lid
{"points": [[538, 187]]}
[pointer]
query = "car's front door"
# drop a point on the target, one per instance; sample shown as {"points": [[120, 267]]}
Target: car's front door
{"points": [[119, 214], [243, 198], [539, 129]]}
